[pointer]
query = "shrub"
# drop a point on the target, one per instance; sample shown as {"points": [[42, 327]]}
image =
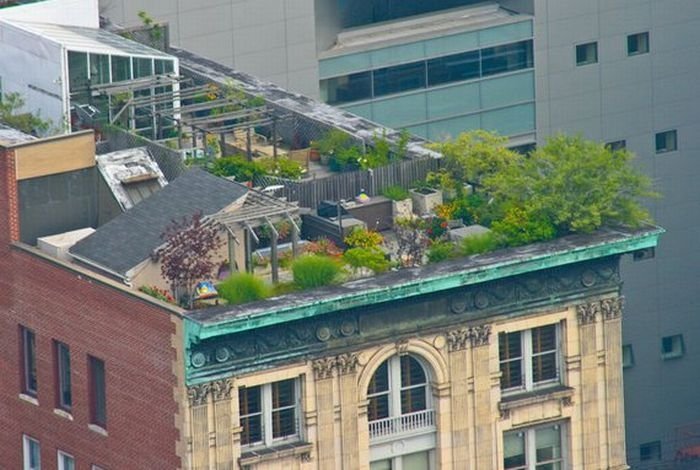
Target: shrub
{"points": [[240, 288], [520, 227], [436, 228], [370, 258], [363, 238], [482, 243], [323, 246], [238, 167], [158, 293], [311, 271], [396, 193], [283, 167], [441, 251]]}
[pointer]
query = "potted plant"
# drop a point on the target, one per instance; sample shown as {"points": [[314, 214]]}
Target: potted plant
{"points": [[425, 199], [401, 202]]}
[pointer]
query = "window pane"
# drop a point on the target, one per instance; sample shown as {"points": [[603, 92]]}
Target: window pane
{"points": [[284, 423], [283, 394], [163, 66], [506, 58], [29, 361], [548, 444], [417, 461], [98, 398], [121, 68], [142, 67], [413, 399], [638, 43], [510, 354], [412, 372], [66, 462], [454, 68], [544, 339], [514, 450], [587, 53], [77, 71], [353, 87], [381, 465], [399, 78], [380, 380], [249, 400], [251, 429], [32, 454], [509, 346], [99, 69], [544, 367], [63, 369], [666, 141]]}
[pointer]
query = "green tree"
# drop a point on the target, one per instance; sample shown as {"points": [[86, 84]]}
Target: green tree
{"points": [[568, 185], [10, 115], [470, 158]]}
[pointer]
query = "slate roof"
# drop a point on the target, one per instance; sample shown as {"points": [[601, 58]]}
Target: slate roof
{"points": [[131, 237]]}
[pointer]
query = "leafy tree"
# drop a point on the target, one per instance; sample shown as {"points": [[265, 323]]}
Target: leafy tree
{"points": [[569, 185], [10, 115], [412, 240], [369, 258], [186, 257], [470, 158]]}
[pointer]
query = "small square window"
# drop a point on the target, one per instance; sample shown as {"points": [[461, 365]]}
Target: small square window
{"points": [[650, 451], [672, 347], [617, 145], [627, 356], [666, 141], [638, 43], [587, 53]]}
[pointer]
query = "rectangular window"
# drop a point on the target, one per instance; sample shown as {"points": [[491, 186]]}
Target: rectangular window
{"points": [[638, 43], [587, 53], [506, 58], [378, 393], [99, 69], [28, 345], [672, 347], [529, 358], [399, 78], [666, 141], [269, 413], [650, 451], [617, 145], [65, 461], [121, 68], [97, 392], [77, 71], [454, 68], [142, 67], [534, 448], [31, 453], [62, 370], [163, 66], [627, 356], [353, 87]]}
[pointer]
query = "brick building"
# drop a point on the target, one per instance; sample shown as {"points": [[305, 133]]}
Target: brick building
{"points": [[89, 367]]}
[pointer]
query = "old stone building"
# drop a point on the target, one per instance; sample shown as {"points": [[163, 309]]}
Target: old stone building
{"points": [[506, 361]]}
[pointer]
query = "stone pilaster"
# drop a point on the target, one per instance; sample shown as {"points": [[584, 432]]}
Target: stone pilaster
{"points": [[199, 408], [324, 373], [346, 365], [614, 402], [222, 394], [484, 409], [587, 315], [457, 342]]}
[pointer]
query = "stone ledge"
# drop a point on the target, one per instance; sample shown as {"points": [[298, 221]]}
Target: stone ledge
{"points": [[266, 454], [535, 397]]}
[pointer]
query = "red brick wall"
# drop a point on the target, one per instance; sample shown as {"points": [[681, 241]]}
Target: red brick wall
{"points": [[130, 335]]}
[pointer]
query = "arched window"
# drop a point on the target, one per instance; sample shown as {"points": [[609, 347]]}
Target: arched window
{"points": [[398, 387], [400, 408]]}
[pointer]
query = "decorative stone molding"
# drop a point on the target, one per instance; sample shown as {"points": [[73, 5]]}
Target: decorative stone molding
{"points": [[458, 340], [198, 394], [323, 368], [480, 335], [587, 313], [221, 389], [402, 346], [347, 363], [612, 308]]}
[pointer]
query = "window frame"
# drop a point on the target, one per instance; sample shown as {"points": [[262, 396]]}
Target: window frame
{"points": [[526, 360], [635, 37], [63, 375], [266, 412], [677, 345], [26, 454], [98, 416], [588, 60], [61, 455], [530, 448], [616, 145], [28, 362], [652, 446], [630, 363], [395, 389], [666, 148]]}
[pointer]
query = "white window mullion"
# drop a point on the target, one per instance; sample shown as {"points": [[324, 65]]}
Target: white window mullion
{"points": [[526, 345], [530, 449], [266, 405], [395, 386]]}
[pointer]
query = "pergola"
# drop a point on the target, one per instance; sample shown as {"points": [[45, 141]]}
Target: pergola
{"points": [[259, 209]]}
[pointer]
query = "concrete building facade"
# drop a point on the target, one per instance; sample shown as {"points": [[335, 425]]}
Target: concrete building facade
{"points": [[620, 71]]}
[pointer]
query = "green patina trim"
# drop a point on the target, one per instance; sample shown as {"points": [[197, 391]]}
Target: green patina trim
{"points": [[196, 331]]}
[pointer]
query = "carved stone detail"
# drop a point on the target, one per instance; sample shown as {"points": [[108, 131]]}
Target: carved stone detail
{"points": [[323, 368], [480, 335], [612, 308], [587, 313], [347, 363], [198, 394], [402, 346], [504, 414], [305, 456], [458, 339], [221, 389], [567, 401]]}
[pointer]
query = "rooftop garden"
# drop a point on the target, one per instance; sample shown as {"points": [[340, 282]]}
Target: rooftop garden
{"points": [[485, 197]]}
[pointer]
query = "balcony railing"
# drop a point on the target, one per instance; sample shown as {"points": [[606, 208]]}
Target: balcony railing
{"points": [[419, 421]]}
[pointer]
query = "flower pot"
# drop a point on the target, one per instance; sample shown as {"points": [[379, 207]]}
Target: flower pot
{"points": [[402, 208], [425, 200]]}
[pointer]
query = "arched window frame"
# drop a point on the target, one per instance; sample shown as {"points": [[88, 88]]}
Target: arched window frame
{"points": [[389, 401]]}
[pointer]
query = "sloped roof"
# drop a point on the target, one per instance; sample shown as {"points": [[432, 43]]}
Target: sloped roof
{"points": [[10, 136], [130, 238]]}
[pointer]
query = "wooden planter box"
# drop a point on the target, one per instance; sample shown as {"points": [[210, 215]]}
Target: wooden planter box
{"points": [[425, 200]]}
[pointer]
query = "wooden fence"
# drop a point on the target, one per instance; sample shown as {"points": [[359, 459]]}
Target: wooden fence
{"points": [[347, 185]]}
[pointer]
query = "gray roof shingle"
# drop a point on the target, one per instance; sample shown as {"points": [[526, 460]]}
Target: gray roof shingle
{"points": [[131, 237]]}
